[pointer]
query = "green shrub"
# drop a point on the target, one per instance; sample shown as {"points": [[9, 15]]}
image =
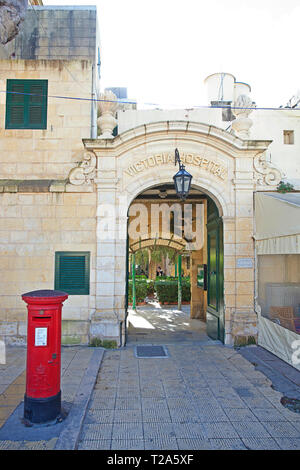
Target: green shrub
{"points": [[141, 290], [167, 290], [105, 343], [150, 287]]}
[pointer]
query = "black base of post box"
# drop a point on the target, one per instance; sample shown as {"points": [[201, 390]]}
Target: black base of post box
{"points": [[42, 410]]}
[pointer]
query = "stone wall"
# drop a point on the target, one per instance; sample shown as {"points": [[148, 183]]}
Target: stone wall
{"points": [[55, 33], [33, 227], [53, 152]]}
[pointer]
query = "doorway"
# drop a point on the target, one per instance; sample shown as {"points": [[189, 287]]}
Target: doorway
{"points": [[171, 298]]}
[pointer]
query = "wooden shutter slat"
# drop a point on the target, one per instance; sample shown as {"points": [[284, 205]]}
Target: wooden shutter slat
{"points": [[32, 96], [72, 273]]}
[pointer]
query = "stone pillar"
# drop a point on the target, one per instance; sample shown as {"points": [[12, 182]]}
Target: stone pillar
{"points": [[240, 316], [108, 320]]}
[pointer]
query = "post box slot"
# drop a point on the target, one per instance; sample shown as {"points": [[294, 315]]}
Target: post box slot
{"points": [[42, 319]]}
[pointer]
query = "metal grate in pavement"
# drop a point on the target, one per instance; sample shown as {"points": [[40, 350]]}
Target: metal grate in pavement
{"points": [[151, 351]]}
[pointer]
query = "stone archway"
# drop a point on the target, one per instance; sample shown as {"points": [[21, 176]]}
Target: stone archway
{"points": [[224, 166]]}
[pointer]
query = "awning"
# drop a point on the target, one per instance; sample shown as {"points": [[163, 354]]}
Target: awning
{"points": [[277, 220]]}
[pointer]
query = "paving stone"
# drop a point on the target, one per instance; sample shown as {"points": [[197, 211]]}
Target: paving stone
{"points": [[289, 415], [127, 431], [219, 430], [153, 403], [102, 416], [231, 403], [99, 416], [207, 415], [268, 415], [281, 429], [286, 443], [193, 444], [156, 415], [250, 429], [258, 402], [191, 430], [102, 403], [10, 445], [106, 392], [240, 414], [128, 392], [127, 416], [161, 444], [184, 416], [227, 444], [158, 431], [94, 432], [101, 444], [184, 403], [260, 443], [127, 404], [127, 444]]}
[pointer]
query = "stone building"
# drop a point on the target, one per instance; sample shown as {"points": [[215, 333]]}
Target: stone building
{"points": [[54, 59], [67, 188]]}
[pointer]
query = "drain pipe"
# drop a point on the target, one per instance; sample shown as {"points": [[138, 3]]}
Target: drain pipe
{"points": [[93, 108]]}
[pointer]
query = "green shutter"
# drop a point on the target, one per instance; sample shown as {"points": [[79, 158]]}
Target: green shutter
{"points": [[26, 104], [72, 272]]}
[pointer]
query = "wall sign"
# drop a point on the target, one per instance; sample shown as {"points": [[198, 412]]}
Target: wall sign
{"points": [[244, 263]]}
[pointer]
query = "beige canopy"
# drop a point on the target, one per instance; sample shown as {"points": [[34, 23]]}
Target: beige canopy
{"points": [[277, 220]]}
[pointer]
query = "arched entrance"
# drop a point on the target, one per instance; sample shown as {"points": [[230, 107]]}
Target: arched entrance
{"points": [[176, 252], [226, 169]]}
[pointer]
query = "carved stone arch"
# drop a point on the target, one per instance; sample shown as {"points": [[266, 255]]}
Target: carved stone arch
{"points": [[221, 200], [232, 194]]}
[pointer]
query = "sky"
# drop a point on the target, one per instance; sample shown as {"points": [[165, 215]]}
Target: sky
{"points": [[162, 50]]}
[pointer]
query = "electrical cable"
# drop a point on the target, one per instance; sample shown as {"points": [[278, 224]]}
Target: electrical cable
{"points": [[122, 101]]}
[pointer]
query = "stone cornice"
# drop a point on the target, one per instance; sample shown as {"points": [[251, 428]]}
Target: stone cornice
{"points": [[185, 130]]}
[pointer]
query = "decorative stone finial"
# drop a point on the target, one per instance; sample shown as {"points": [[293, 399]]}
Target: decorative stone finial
{"points": [[241, 109], [107, 107]]}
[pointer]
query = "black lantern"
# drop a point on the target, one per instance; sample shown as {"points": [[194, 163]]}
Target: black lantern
{"points": [[182, 179]]}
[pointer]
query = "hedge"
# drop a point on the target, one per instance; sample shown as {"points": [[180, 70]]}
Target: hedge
{"points": [[141, 290], [167, 290]]}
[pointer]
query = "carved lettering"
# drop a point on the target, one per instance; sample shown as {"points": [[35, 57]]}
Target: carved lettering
{"points": [[206, 164]]}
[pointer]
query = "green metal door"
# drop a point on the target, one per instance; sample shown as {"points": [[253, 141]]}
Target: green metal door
{"points": [[215, 306]]}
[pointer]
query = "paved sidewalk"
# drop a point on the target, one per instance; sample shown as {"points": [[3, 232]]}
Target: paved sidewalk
{"points": [[284, 377], [13, 434], [203, 396]]}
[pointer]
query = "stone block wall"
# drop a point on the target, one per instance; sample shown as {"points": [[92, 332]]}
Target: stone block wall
{"points": [[33, 227], [53, 152], [52, 32]]}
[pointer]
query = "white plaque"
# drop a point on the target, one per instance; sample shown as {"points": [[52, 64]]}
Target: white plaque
{"points": [[40, 337], [244, 263]]}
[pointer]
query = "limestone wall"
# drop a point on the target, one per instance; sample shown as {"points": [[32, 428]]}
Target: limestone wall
{"points": [[33, 227], [50, 153]]}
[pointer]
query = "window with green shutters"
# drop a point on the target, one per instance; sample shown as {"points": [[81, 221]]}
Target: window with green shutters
{"points": [[26, 104], [72, 272]]}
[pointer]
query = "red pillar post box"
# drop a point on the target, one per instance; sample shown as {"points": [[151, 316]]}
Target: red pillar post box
{"points": [[42, 400]]}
